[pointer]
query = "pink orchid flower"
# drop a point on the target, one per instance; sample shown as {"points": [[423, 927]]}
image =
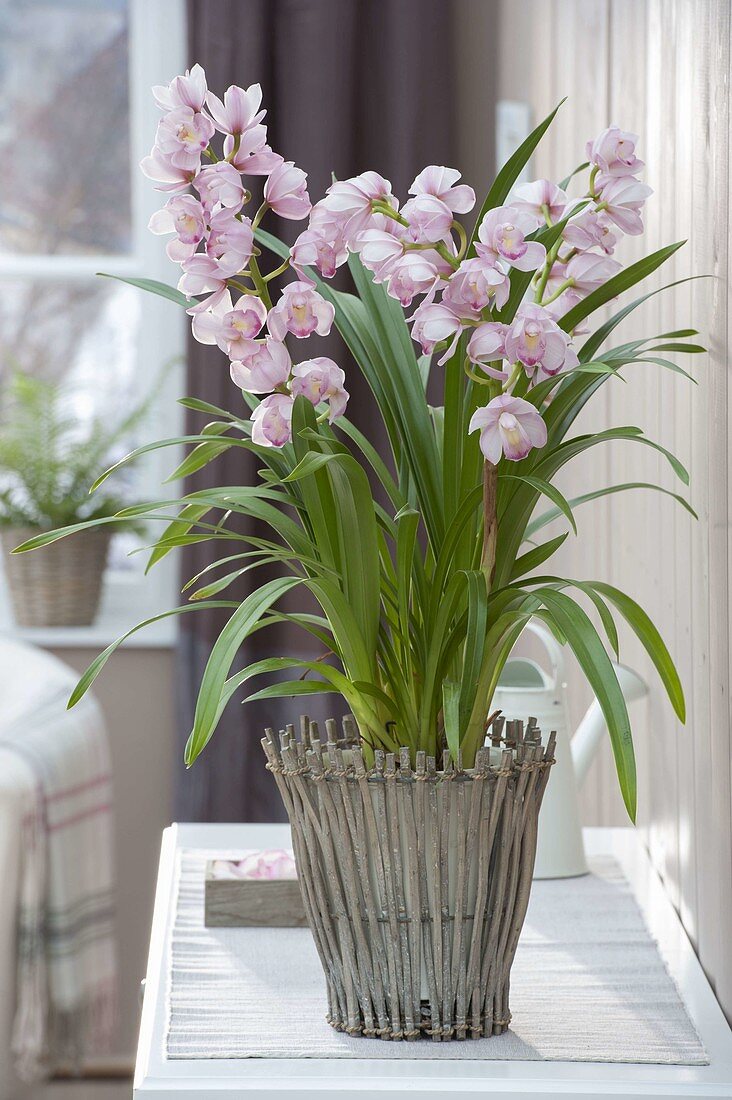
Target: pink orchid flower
{"points": [[508, 426], [621, 200], [182, 135], [430, 220], [476, 284], [487, 346], [242, 323], [253, 157], [229, 325], [230, 242], [588, 230], [301, 311], [286, 191], [184, 216], [502, 235], [168, 176], [535, 340], [589, 271], [320, 379], [188, 90], [433, 322], [613, 152], [240, 110], [533, 197], [220, 184], [379, 251], [411, 275], [263, 365], [317, 247], [202, 275], [440, 182], [272, 420], [349, 202]]}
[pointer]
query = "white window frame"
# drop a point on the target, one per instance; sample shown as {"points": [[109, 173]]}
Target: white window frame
{"points": [[157, 53]]}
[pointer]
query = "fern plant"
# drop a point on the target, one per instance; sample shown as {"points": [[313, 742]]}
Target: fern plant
{"points": [[48, 461], [421, 600]]}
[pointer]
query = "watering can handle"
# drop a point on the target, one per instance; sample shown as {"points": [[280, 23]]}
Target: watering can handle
{"points": [[551, 645]]}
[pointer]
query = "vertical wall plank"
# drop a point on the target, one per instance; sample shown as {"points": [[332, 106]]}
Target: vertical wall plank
{"points": [[629, 402], [683, 405], [661, 174], [662, 68], [717, 62]]}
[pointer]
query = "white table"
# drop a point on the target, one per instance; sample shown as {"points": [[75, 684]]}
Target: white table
{"points": [[285, 1079]]}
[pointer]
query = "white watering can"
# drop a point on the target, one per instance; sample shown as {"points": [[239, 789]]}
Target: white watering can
{"points": [[525, 689]]}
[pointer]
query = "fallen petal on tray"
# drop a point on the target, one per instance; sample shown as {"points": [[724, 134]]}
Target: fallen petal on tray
{"points": [[274, 863]]}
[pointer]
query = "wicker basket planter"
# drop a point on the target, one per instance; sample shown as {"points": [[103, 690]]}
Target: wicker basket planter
{"points": [[415, 881], [59, 585]]}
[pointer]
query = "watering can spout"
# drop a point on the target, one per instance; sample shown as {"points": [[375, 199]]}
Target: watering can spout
{"points": [[592, 727]]}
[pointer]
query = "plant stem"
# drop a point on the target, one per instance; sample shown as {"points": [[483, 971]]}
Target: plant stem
{"points": [[463, 236], [260, 214], [440, 247], [515, 374], [551, 257], [235, 148], [240, 286], [490, 522], [560, 290], [380, 207], [278, 270]]}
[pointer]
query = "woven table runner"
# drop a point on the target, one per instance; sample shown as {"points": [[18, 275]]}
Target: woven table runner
{"points": [[587, 985]]}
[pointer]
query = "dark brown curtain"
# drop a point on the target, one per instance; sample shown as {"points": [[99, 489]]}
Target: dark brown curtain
{"points": [[348, 85]]}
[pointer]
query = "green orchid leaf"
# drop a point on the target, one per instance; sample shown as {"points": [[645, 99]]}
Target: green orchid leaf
{"points": [[152, 286], [582, 638]]}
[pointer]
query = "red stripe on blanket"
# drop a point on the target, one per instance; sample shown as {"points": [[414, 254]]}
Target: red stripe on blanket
{"points": [[102, 808], [89, 785]]}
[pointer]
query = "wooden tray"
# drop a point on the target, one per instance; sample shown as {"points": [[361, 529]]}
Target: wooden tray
{"points": [[252, 903]]}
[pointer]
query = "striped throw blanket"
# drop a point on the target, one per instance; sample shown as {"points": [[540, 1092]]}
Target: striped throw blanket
{"points": [[66, 965]]}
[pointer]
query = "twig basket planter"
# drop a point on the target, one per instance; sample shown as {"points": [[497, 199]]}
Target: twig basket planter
{"points": [[60, 587], [415, 881]]}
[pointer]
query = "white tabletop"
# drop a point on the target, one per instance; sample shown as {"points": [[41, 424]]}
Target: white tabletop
{"points": [[284, 1079]]}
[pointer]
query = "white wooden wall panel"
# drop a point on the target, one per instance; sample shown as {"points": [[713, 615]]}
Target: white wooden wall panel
{"points": [[661, 68]]}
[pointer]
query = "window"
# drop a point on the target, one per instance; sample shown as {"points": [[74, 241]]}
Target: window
{"points": [[75, 79]]}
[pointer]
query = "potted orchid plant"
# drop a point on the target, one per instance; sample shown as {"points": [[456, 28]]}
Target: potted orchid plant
{"points": [[422, 599]]}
